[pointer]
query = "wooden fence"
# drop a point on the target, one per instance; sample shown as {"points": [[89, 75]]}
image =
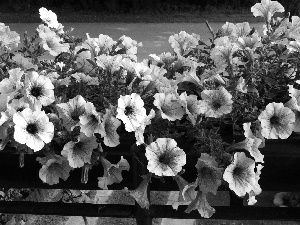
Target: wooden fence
{"points": [[281, 172]]}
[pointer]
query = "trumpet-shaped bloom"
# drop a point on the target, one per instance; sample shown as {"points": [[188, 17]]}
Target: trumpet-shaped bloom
{"points": [[112, 172], [80, 152], [111, 123], [183, 42], [140, 194], [223, 51], [201, 204], [12, 84], [54, 168], [164, 157], [33, 128], [266, 9], [256, 190], [131, 111], [39, 90], [91, 121], [192, 106], [217, 102], [51, 42], [240, 174], [71, 111], [187, 192], [277, 121], [294, 105], [209, 175], [294, 30], [110, 64], [170, 106], [8, 39], [49, 17]]}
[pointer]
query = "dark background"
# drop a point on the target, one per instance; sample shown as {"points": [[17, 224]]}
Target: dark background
{"points": [[137, 6]]}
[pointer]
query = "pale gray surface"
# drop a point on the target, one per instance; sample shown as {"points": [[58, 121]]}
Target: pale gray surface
{"points": [[153, 36]]}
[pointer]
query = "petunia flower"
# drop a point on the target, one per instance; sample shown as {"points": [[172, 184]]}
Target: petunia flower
{"points": [[88, 80], [112, 172], [251, 144], [25, 63], [209, 174], [183, 42], [287, 199], [8, 39], [128, 47], [33, 128], [54, 168], [277, 121], [187, 192], [13, 84], [256, 190], [38, 90], [48, 17], [294, 105], [110, 64], [240, 174], [51, 42], [217, 102], [71, 111], [131, 111], [266, 9], [170, 106], [201, 204], [110, 124], [91, 121], [294, 29], [294, 46], [192, 107], [80, 152], [222, 53], [139, 132], [140, 193], [164, 157]]}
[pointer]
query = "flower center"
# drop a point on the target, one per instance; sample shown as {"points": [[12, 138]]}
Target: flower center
{"points": [[78, 146], [32, 128], [128, 110], [36, 91], [164, 159], [76, 113], [20, 109], [274, 120], [216, 105], [237, 172]]}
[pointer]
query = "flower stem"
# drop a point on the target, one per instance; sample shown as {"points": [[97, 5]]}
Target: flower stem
{"points": [[21, 159]]}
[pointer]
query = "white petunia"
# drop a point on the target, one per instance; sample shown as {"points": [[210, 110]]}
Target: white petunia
{"points": [[266, 9], [49, 17], [164, 157], [240, 174], [277, 121], [33, 128]]}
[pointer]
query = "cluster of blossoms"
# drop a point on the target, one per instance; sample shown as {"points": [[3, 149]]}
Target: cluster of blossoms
{"points": [[91, 93]]}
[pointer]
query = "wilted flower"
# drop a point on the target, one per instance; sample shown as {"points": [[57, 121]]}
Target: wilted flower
{"points": [[266, 9], [39, 90], [131, 111], [71, 111], [240, 174], [217, 102], [277, 121], [112, 172], [79, 152], [33, 128], [164, 157], [12, 84]]}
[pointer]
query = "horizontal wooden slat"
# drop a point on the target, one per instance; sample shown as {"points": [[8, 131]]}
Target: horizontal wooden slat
{"points": [[157, 211]]}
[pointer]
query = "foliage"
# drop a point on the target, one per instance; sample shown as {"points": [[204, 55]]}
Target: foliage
{"points": [[94, 92]]}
